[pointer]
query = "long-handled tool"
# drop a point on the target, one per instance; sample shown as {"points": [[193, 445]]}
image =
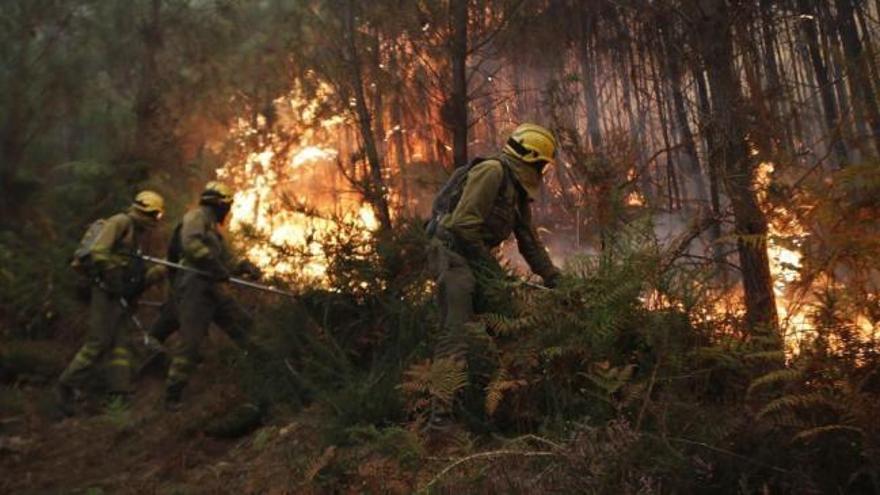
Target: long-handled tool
{"points": [[234, 280], [149, 342], [532, 285]]}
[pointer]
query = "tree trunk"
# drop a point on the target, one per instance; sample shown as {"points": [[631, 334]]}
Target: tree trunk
{"points": [[375, 190], [853, 123], [857, 67], [671, 186], [588, 79], [694, 183], [458, 102], [832, 118], [378, 100], [773, 86], [12, 145], [148, 131], [641, 112], [705, 116], [398, 132], [714, 37], [870, 53]]}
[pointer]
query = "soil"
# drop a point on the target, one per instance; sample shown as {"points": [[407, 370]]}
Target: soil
{"points": [[145, 449]]}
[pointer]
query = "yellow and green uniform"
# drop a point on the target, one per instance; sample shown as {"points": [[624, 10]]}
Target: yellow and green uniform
{"points": [[494, 203], [108, 335], [199, 300]]}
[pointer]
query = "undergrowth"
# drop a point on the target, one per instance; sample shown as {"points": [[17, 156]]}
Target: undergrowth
{"points": [[616, 379]]}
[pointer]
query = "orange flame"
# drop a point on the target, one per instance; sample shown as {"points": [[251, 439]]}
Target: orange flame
{"points": [[260, 207]]}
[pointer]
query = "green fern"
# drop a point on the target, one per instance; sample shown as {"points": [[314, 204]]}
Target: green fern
{"points": [[787, 375], [774, 356], [789, 403], [440, 379], [500, 384], [812, 433]]}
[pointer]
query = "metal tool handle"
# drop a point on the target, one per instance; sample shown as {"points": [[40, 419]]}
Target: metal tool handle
{"points": [[234, 280]]}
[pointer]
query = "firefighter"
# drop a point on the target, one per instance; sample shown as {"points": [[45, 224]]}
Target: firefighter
{"points": [[199, 300], [481, 205], [117, 279]]}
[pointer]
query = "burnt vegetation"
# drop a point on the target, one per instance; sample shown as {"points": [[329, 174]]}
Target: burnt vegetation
{"points": [[714, 206]]}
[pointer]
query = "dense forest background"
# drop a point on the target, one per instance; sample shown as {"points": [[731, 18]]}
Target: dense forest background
{"points": [[715, 204]]}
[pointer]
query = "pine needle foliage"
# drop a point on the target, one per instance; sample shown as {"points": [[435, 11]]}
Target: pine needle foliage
{"points": [[347, 348]]}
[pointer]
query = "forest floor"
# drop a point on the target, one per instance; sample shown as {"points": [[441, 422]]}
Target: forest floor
{"points": [[144, 449]]}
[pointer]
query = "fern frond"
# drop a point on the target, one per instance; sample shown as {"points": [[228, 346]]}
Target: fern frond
{"points": [[778, 376], [500, 384], [808, 435], [718, 355], [772, 356], [795, 402], [503, 325], [441, 378], [320, 463]]}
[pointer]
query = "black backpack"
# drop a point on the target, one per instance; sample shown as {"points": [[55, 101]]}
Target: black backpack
{"points": [[175, 247], [450, 194]]}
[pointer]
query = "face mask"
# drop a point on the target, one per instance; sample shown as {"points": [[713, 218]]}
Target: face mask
{"points": [[541, 166], [529, 178], [222, 210]]}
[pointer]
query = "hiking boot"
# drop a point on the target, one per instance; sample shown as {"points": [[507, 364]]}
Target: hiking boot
{"points": [[118, 400], [64, 398], [173, 396]]}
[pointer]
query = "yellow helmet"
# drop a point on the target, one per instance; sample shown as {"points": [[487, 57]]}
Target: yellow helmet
{"points": [[149, 202], [531, 143], [217, 192]]}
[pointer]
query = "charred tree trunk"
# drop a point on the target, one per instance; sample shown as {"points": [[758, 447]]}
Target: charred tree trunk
{"points": [[674, 201], [588, 79], [374, 189], [694, 182], [870, 52], [458, 102], [148, 145], [12, 146], [398, 135], [852, 118], [714, 37], [857, 67], [820, 70], [376, 75], [705, 116], [645, 183], [773, 85]]}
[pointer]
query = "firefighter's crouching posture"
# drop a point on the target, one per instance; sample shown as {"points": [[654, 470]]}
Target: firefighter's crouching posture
{"points": [[481, 205]]}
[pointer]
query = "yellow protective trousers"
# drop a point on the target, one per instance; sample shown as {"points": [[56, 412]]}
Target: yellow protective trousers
{"points": [[108, 337], [200, 302]]}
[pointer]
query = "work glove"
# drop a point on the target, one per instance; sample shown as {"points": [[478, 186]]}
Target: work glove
{"points": [[155, 274], [552, 281], [249, 269]]}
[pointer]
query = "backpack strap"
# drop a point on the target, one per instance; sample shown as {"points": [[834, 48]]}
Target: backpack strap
{"points": [[130, 230], [509, 177]]}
